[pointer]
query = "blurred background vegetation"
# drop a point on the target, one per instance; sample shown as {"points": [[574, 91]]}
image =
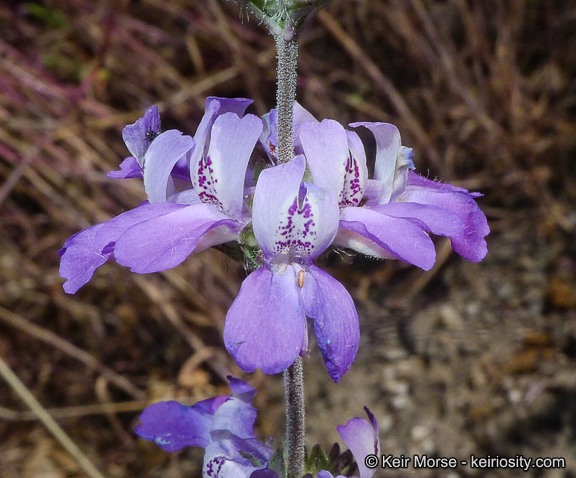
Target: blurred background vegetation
{"points": [[483, 90]]}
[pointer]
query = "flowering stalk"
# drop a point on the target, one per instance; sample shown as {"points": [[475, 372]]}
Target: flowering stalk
{"points": [[287, 51], [295, 446]]}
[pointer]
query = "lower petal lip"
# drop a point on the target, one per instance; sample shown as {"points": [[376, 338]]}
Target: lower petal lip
{"points": [[265, 326]]}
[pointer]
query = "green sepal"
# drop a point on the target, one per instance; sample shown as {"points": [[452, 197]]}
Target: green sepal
{"points": [[276, 463], [283, 15], [316, 461]]}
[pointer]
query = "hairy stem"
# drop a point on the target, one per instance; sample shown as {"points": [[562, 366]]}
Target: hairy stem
{"points": [[294, 393], [287, 51]]}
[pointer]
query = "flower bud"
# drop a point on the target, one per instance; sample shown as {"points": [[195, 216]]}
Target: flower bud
{"points": [[284, 16]]}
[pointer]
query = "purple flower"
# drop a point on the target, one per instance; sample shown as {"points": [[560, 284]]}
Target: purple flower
{"points": [[266, 328], [137, 138], [223, 426], [390, 215], [361, 436], [195, 189]]}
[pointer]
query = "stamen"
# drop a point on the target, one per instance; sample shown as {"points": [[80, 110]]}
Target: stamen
{"points": [[300, 279]]}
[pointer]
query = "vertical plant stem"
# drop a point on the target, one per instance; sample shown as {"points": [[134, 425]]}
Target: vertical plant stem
{"points": [[294, 392], [287, 51]]}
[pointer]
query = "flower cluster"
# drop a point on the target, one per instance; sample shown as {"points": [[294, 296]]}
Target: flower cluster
{"points": [[205, 191], [224, 427]]}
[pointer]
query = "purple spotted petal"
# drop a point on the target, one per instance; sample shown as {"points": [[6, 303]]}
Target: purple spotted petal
{"points": [[213, 108], [266, 326], [332, 310], [470, 242], [139, 135], [173, 426], [160, 159], [218, 177], [276, 191], [288, 217], [223, 459], [87, 250], [356, 171], [129, 168], [400, 237], [392, 159], [165, 241], [361, 437]]}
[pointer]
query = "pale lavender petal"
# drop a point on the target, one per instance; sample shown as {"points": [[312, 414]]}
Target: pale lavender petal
{"points": [[374, 423], [160, 159], [237, 417], [349, 239], [404, 165], [213, 108], [248, 447], [266, 325], [362, 438], [139, 135], [327, 474], [325, 145], [400, 237], [173, 426], [415, 179], [242, 390], [219, 177], [226, 231], [164, 242], [80, 259], [373, 192], [288, 217], [300, 116], [129, 168], [430, 218], [188, 197], [332, 310], [470, 242], [267, 473], [388, 143], [269, 137], [87, 250], [258, 453], [228, 105]]}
